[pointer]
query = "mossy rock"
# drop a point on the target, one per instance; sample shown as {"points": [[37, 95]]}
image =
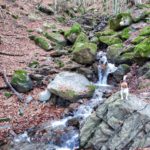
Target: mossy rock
{"points": [[127, 58], [138, 39], [82, 38], [76, 28], [109, 40], [56, 37], [84, 53], [142, 50], [114, 51], [121, 21], [125, 34], [145, 69], [145, 31], [106, 32], [21, 81], [41, 42]]}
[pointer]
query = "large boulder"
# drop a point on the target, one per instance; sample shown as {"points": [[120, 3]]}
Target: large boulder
{"points": [[84, 53], [21, 81], [71, 86], [121, 21], [118, 124]]}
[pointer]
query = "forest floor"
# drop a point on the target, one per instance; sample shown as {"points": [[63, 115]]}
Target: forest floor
{"points": [[16, 51]]}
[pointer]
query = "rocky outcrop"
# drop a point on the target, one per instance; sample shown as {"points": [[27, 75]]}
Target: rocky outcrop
{"points": [[71, 86], [118, 124]]}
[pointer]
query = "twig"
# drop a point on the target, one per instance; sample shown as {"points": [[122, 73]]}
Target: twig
{"points": [[20, 96], [7, 54]]}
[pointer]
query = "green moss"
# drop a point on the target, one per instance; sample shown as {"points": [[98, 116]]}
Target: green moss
{"points": [[76, 28], [34, 64], [55, 37], [8, 94], [81, 46], [84, 53], [114, 23], [127, 57], [138, 39], [125, 34], [41, 42], [141, 6], [82, 38], [110, 40], [142, 50], [4, 119], [145, 31], [114, 51], [20, 76], [91, 88], [69, 93], [21, 81], [105, 33]]}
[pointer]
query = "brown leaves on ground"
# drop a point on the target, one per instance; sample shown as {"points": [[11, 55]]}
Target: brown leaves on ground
{"points": [[14, 40]]}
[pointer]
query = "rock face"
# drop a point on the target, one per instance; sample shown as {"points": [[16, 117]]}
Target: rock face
{"points": [[21, 81], [118, 124], [71, 86]]}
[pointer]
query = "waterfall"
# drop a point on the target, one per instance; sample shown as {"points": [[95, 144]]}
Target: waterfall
{"points": [[104, 72]]}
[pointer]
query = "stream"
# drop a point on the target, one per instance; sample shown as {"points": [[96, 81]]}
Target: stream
{"points": [[59, 135]]}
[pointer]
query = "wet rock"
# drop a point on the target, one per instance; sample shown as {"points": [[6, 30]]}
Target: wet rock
{"points": [[73, 122], [21, 81], [44, 96], [67, 86], [121, 21], [117, 124], [120, 72], [84, 53]]}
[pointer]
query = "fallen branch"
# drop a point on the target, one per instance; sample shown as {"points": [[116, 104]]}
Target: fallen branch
{"points": [[19, 96], [7, 54]]}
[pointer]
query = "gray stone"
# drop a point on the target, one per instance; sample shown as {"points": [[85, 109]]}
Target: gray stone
{"points": [[71, 86], [44, 96], [118, 124]]}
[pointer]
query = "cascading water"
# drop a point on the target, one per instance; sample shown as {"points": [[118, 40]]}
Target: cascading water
{"points": [[63, 137]]}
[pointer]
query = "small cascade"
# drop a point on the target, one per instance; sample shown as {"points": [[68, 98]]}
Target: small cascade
{"points": [[104, 68], [68, 136]]}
